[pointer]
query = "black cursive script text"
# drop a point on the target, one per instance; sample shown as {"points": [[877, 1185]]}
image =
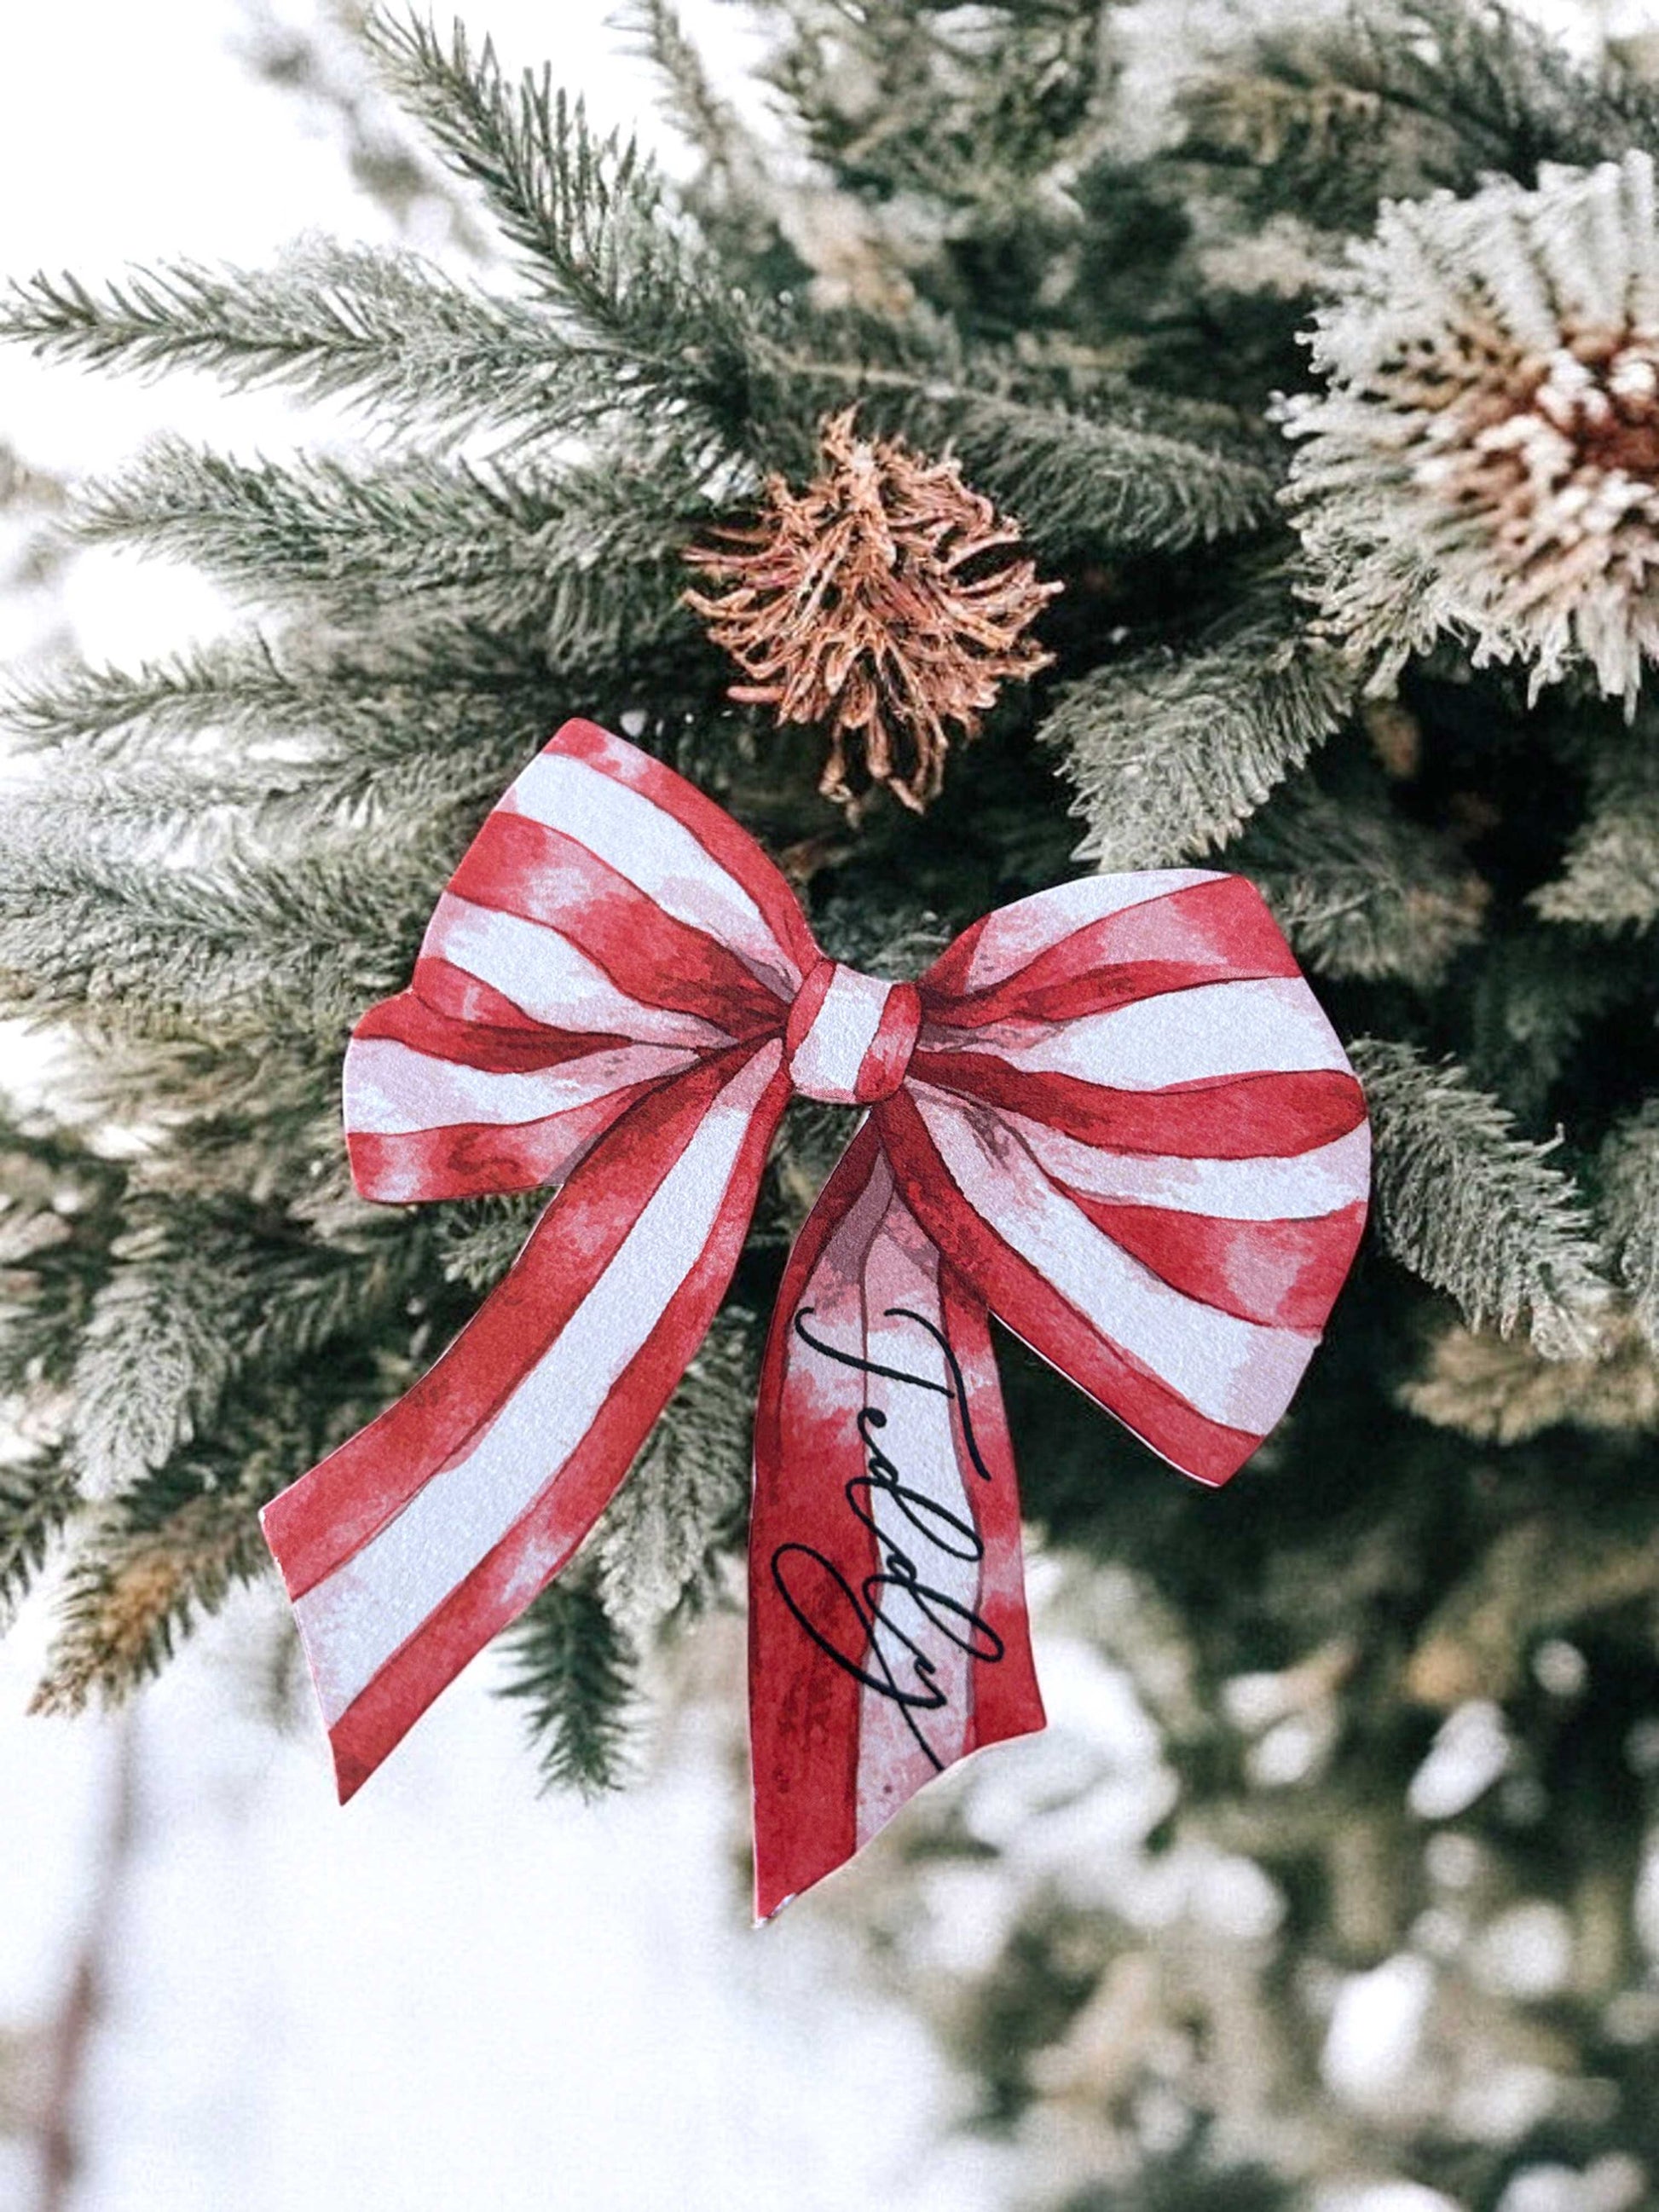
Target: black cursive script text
{"points": [[872, 1631]]}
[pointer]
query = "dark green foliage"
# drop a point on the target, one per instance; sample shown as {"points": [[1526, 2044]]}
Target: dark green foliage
{"points": [[572, 1668], [37, 1496]]}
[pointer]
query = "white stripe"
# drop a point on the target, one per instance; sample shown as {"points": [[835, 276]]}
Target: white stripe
{"points": [[1299, 1188], [1272, 1026], [393, 1090], [1015, 935], [826, 1062], [658, 854], [916, 1438], [354, 1620], [552, 979], [1233, 1371]]}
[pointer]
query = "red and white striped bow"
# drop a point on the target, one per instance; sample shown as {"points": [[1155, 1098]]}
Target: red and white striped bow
{"points": [[1113, 1114]]}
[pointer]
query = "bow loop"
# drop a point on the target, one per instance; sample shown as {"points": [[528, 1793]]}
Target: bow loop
{"points": [[1132, 1128], [607, 929]]}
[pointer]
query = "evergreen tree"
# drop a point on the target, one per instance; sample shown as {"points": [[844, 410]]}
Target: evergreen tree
{"points": [[1371, 618]]}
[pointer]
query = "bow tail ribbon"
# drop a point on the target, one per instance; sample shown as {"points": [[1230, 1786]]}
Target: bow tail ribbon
{"points": [[1112, 1114], [407, 1549], [888, 1635]]}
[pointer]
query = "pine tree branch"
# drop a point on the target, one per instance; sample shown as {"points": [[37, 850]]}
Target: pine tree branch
{"points": [[398, 337], [1322, 120], [1629, 1168], [684, 1501], [1170, 752], [306, 693], [590, 218], [239, 949], [1510, 93], [1532, 995], [708, 123], [573, 1669], [480, 1239], [201, 1298], [136, 1583], [583, 563], [1503, 1393], [969, 107], [1476, 1210], [1359, 891], [1610, 880], [37, 1497], [1086, 484], [61, 1207]]}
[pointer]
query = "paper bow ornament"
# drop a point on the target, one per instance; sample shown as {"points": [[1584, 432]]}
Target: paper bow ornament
{"points": [[1113, 1114]]}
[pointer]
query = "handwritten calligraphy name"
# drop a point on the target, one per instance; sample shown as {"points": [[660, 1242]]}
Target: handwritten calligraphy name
{"points": [[872, 1629]]}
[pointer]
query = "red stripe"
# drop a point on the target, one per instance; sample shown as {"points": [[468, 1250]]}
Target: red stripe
{"points": [[322, 1519], [1211, 932], [807, 1002], [523, 1050], [469, 1159], [1224, 1117], [1006, 1699], [532, 1552], [1029, 1305], [887, 1056], [802, 1708], [518, 865], [733, 847], [1283, 1273], [947, 979]]}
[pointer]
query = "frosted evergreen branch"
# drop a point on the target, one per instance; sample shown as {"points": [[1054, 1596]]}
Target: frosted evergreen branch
{"points": [[1322, 120], [1629, 1168], [708, 123], [481, 1238], [1086, 484], [1533, 994], [198, 1300], [1610, 879], [61, 1205], [1508, 94], [1170, 752], [968, 106], [1503, 1392], [590, 216], [37, 1497], [399, 338], [684, 1501], [336, 696], [162, 806], [136, 1583], [581, 560], [236, 949], [1361, 891], [573, 1670], [1475, 1210], [163, 1340]]}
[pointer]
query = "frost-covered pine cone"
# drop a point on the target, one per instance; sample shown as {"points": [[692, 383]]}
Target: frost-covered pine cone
{"points": [[1484, 461]]}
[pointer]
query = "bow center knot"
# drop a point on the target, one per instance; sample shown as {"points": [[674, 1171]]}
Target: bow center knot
{"points": [[850, 1037]]}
